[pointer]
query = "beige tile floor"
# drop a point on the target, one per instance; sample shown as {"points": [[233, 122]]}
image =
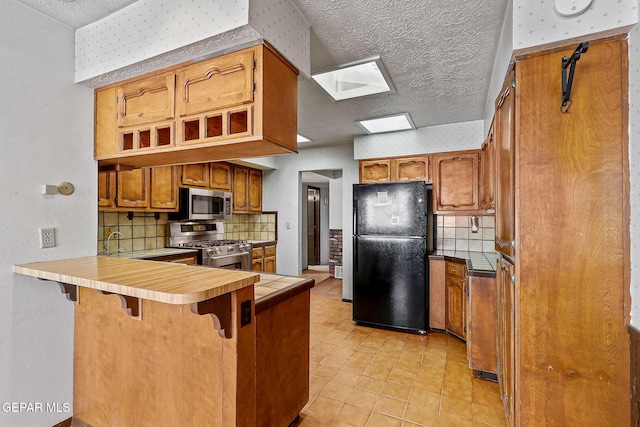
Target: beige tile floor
{"points": [[362, 376]]}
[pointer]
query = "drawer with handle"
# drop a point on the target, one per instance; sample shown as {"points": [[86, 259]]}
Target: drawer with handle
{"points": [[455, 269]]}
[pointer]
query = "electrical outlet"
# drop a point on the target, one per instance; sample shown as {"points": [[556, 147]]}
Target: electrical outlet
{"points": [[47, 237]]}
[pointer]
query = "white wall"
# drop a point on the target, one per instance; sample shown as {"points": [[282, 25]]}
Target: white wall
{"points": [[500, 66], [535, 23], [153, 34], [282, 192], [634, 172], [432, 139], [335, 204], [46, 129]]}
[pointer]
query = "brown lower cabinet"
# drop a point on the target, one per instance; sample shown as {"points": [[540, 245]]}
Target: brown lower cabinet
{"points": [[505, 335], [436, 294], [481, 324], [465, 305], [456, 299], [282, 354], [264, 258]]}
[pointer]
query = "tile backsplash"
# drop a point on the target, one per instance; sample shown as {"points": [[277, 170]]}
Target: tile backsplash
{"points": [[251, 227], [454, 233], [144, 231]]}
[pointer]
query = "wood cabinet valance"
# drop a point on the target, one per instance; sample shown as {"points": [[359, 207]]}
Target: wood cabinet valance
{"points": [[236, 105], [396, 169]]}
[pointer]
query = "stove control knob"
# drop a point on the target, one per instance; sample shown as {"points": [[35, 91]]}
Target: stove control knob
{"points": [[217, 250], [210, 252], [231, 249]]}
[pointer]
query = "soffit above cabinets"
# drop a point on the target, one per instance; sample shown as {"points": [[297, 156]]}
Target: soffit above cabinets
{"points": [[440, 55]]}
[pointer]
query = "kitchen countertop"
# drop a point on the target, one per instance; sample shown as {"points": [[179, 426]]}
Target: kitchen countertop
{"points": [[151, 253], [262, 242], [273, 288], [478, 263], [156, 281]]}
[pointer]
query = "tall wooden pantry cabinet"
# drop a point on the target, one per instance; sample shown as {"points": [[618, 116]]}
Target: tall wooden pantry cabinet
{"points": [[563, 280]]}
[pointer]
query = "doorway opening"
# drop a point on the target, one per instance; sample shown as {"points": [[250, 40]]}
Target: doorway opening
{"points": [[321, 200], [313, 226]]}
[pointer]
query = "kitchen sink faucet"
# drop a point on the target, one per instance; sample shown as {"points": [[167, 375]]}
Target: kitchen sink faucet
{"points": [[105, 249]]}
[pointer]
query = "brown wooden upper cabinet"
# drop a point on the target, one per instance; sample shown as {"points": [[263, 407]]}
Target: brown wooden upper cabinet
{"points": [[220, 176], [242, 103], [214, 175], [455, 181], [164, 188], [132, 189], [145, 101], [106, 190], [255, 190], [397, 169], [417, 168], [504, 153], [487, 172], [247, 190], [372, 171], [222, 82], [144, 189], [195, 175]]}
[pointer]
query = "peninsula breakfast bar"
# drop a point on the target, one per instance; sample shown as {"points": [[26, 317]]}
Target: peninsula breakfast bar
{"points": [[146, 351]]}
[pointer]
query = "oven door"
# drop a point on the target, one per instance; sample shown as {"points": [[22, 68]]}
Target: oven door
{"points": [[239, 261]]}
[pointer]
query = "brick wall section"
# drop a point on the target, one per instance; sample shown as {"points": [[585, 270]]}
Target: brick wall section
{"points": [[335, 250]]}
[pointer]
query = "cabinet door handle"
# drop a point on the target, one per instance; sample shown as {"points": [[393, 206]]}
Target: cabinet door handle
{"points": [[502, 243], [513, 279]]}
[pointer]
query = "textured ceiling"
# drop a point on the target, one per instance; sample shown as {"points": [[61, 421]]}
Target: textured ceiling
{"points": [[77, 13], [439, 54]]}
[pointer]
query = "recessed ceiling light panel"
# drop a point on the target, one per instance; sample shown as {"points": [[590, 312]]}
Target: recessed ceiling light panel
{"points": [[387, 124], [354, 80]]}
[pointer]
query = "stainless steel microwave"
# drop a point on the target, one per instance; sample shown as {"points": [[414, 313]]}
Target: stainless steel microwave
{"points": [[200, 204]]}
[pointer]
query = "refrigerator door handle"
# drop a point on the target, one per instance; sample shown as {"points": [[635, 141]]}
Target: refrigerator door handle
{"points": [[355, 254], [355, 217]]}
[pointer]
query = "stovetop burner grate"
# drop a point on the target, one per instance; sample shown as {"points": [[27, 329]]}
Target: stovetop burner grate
{"points": [[210, 243]]}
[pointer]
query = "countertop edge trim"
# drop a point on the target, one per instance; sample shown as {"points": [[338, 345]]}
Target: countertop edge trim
{"points": [[275, 298], [147, 294]]}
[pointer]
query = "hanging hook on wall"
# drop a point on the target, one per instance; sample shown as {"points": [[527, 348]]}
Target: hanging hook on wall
{"points": [[567, 82]]}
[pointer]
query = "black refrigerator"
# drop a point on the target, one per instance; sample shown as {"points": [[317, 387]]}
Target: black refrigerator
{"points": [[393, 236]]}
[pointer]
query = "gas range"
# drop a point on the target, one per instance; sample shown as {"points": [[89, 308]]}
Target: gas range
{"points": [[216, 247], [213, 250]]}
